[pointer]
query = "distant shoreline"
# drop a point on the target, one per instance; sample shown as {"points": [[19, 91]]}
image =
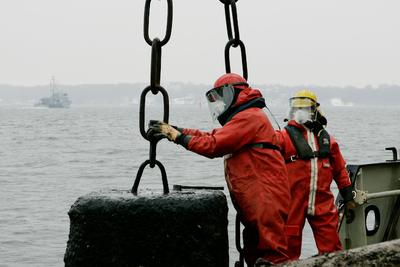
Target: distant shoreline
{"points": [[188, 93]]}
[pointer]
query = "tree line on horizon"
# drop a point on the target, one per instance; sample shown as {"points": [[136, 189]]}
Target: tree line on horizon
{"points": [[383, 95]]}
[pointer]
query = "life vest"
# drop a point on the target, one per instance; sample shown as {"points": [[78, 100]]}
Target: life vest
{"points": [[303, 149]]}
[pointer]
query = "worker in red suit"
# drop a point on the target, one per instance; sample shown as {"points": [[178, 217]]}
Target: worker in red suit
{"points": [[255, 171], [313, 160]]}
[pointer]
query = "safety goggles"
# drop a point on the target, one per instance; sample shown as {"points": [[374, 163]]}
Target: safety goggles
{"points": [[224, 93], [302, 102], [219, 99]]}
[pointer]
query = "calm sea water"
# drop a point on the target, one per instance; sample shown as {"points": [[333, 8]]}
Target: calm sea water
{"points": [[50, 157]]}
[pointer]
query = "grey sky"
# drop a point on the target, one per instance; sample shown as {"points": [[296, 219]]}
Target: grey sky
{"points": [[337, 42]]}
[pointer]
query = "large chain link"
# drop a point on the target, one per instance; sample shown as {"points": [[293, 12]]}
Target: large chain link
{"points": [[233, 39], [155, 88]]}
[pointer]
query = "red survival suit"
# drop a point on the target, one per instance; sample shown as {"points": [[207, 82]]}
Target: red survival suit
{"points": [[256, 176], [310, 181]]}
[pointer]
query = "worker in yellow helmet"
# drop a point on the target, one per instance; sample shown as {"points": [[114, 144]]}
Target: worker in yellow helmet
{"points": [[313, 160], [304, 107]]}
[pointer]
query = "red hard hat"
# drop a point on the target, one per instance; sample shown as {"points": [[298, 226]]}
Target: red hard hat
{"points": [[229, 78]]}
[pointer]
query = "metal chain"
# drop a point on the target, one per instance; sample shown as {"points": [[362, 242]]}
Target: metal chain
{"points": [[239, 247], [155, 88], [233, 40]]}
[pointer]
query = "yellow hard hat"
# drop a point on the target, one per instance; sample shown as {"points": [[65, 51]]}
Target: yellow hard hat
{"points": [[306, 93], [304, 98]]}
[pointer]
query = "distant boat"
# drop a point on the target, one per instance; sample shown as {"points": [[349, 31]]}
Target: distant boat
{"points": [[337, 102], [56, 99]]}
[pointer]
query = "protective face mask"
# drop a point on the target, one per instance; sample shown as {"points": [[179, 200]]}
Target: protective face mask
{"points": [[301, 116], [216, 108]]}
